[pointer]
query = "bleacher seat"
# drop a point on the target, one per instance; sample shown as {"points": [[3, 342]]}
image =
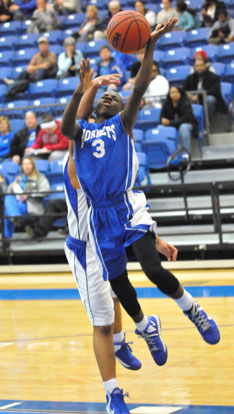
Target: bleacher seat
{"points": [[195, 4], [227, 90], [27, 41], [56, 172], [220, 68], [177, 75], [229, 73], [176, 57], [6, 57], [3, 91], [59, 194], [93, 48], [197, 37], [10, 28], [17, 124], [198, 112], [73, 20], [211, 50], [138, 134], [9, 170], [5, 72], [226, 53], [16, 105], [163, 132], [64, 99], [171, 40], [57, 49], [66, 86], [138, 146], [54, 37], [42, 101], [25, 25], [43, 166], [8, 42], [43, 88], [23, 56], [143, 170], [148, 118], [158, 55], [16, 70], [158, 152], [125, 95]]}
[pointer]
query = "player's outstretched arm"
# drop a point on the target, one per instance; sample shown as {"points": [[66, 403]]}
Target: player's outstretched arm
{"points": [[69, 126], [143, 78]]}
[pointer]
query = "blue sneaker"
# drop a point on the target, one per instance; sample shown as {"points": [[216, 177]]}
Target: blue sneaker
{"points": [[125, 357], [151, 335], [115, 402], [205, 324]]}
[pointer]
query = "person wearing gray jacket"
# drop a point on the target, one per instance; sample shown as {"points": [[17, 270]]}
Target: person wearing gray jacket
{"points": [[44, 18], [223, 30], [69, 60], [17, 203]]}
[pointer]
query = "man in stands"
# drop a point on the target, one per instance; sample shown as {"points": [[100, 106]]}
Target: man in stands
{"points": [[50, 143], [166, 12], [44, 18]]}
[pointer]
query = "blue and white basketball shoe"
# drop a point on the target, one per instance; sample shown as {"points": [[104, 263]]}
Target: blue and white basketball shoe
{"points": [[125, 357], [151, 336], [115, 402], [205, 325]]}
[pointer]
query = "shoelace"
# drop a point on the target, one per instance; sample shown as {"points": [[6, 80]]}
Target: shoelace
{"points": [[201, 321], [149, 339]]}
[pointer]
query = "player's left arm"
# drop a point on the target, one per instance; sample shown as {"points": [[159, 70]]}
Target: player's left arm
{"points": [[129, 114]]}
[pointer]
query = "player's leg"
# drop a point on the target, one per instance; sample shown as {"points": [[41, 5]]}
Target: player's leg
{"points": [[147, 254]]}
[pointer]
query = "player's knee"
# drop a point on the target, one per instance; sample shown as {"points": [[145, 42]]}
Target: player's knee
{"points": [[104, 330], [165, 281]]}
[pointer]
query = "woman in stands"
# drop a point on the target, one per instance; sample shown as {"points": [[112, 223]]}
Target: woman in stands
{"points": [[90, 26], [187, 17], [149, 14], [6, 136], [210, 11], [17, 204], [177, 112]]}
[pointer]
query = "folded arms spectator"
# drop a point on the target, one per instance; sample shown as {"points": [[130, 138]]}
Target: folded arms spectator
{"points": [[69, 61], [44, 18]]}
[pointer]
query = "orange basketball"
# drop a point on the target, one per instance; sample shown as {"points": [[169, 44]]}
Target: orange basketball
{"points": [[128, 31]]}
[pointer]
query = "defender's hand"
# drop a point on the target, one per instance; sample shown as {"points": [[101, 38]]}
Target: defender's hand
{"points": [[160, 29], [106, 80], [166, 249]]}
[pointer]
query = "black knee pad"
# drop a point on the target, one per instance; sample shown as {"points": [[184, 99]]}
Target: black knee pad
{"points": [[164, 280], [126, 294]]}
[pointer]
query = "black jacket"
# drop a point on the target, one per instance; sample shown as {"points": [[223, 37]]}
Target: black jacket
{"points": [[19, 142], [183, 113], [211, 84], [207, 21]]}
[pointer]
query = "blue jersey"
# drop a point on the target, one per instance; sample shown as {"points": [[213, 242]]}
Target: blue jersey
{"points": [[105, 158]]}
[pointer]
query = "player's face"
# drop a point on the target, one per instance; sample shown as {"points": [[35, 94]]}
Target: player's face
{"points": [[109, 104]]}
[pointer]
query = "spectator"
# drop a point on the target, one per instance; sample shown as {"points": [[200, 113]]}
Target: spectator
{"points": [[3, 185], [69, 61], [166, 12], [6, 136], [65, 7], [107, 65], [149, 14], [157, 89], [134, 68], [177, 112], [223, 30], [114, 7], [16, 205], [204, 79], [25, 137], [210, 11], [187, 16], [27, 7], [90, 26], [9, 11], [50, 143], [43, 65], [202, 55], [44, 18]]}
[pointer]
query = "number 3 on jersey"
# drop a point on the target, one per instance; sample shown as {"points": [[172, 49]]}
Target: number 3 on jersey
{"points": [[100, 148]]}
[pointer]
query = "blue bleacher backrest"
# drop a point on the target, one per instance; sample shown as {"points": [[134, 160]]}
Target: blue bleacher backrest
{"points": [[9, 170], [56, 172], [195, 4], [8, 42], [5, 72], [43, 166], [67, 86], [57, 49], [163, 132], [42, 101], [54, 36], [171, 39], [64, 99], [17, 124], [227, 90], [158, 152], [211, 50], [23, 56], [43, 88], [57, 187], [125, 95], [138, 134], [6, 57], [27, 41], [178, 74], [3, 91], [17, 70], [93, 47], [220, 68], [148, 118], [229, 74], [176, 57], [15, 111], [143, 170], [73, 20], [197, 37], [158, 55], [138, 146], [10, 28], [226, 53]]}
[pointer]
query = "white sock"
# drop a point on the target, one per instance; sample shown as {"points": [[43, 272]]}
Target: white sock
{"points": [[142, 325], [118, 337], [186, 301], [110, 385]]}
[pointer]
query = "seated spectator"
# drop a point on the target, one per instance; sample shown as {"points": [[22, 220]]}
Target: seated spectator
{"points": [[42, 225], [157, 89], [107, 65], [50, 143], [90, 26], [16, 205], [187, 16], [149, 14], [24, 138], [9, 11], [204, 79], [202, 55], [210, 11], [44, 18], [27, 7], [6, 136], [223, 30], [65, 7], [43, 65], [177, 112], [166, 12], [114, 7], [134, 68], [69, 61]]}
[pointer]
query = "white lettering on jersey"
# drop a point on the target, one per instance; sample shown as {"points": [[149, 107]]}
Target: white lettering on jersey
{"points": [[108, 130]]}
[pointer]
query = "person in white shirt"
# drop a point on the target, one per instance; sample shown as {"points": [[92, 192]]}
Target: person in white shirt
{"points": [[166, 12], [149, 14], [157, 89]]}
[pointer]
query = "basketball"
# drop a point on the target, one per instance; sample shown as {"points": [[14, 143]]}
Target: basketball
{"points": [[128, 31]]}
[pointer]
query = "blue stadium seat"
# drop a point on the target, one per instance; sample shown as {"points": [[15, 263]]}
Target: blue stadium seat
{"points": [[171, 40], [220, 68], [226, 53], [195, 4], [54, 37], [211, 50], [27, 41], [15, 111], [23, 56], [9, 170], [143, 170], [43, 88], [227, 90], [138, 134], [16, 70], [176, 57], [163, 132], [158, 55], [230, 4], [43, 166], [125, 95], [8, 42], [5, 72], [66, 86], [3, 91], [158, 152], [148, 118], [57, 187], [6, 57], [197, 37], [229, 73], [73, 20], [10, 28], [93, 48], [64, 99], [42, 101], [57, 49], [177, 75], [17, 124], [198, 112], [138, 146]]}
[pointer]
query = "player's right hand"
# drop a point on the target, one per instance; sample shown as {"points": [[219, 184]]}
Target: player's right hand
{"points": [[86, 74]]}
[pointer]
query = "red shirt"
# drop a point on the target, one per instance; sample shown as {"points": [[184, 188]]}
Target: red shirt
{"points": [[54, 141]]}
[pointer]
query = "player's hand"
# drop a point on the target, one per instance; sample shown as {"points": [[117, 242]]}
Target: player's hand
{"points": [[107, 80], [165, 121], [166, 249], [86, 74], [161, 29]]}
